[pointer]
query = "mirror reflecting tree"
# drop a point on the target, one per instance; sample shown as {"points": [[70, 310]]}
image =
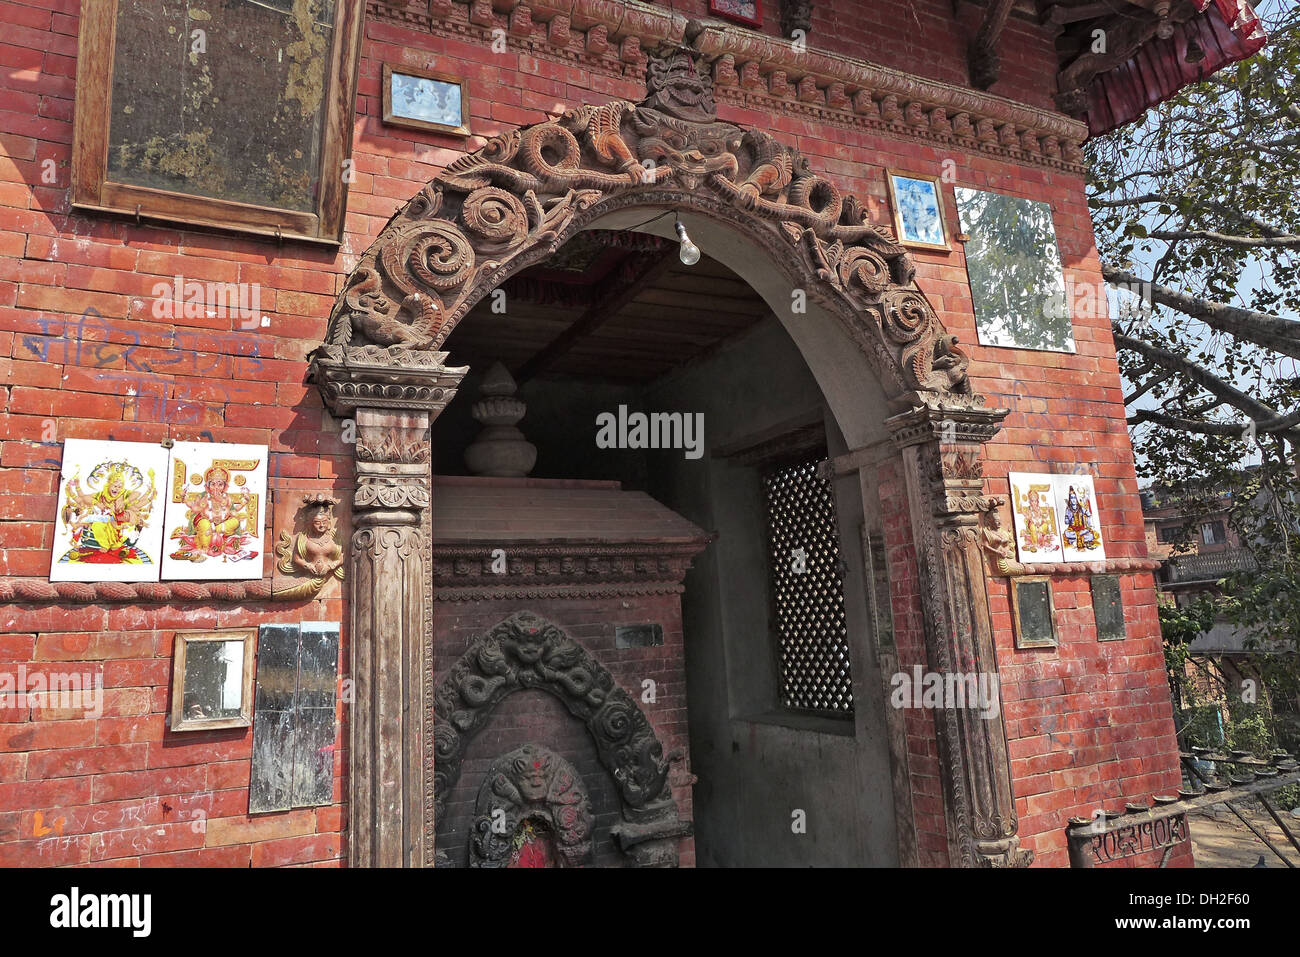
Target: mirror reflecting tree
{"points": [[1014, 264]]}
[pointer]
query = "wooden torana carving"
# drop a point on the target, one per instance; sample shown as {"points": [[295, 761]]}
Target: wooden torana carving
{"points": [[522, 195]]}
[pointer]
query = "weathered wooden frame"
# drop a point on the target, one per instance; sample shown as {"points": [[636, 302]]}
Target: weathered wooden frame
{"points": [[178, 721], [390, 119], [93, 191]]}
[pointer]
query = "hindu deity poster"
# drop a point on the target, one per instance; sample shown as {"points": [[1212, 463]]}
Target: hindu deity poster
{"points": [[1076, 503], [1033, 507], [109, 523], [216, 511]]}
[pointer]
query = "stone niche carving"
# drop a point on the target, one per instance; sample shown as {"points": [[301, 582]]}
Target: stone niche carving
{"points": [[531, 784], [527, 651], [527, 191]]}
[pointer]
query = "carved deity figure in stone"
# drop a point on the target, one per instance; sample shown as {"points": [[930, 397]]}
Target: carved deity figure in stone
{"points": [[314, 549]]}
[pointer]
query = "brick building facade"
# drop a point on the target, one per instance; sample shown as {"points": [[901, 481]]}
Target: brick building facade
{"points": [[1086, 724]]}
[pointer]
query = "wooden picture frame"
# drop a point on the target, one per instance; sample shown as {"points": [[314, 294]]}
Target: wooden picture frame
{"points": [[93, 190], [908, 236], [727, 10], [1032, 641], [193, 717], [461, 128]]}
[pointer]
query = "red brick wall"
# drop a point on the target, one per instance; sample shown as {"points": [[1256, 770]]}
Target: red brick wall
{"points": [[120, 790], [206, 379], [540, 718]]}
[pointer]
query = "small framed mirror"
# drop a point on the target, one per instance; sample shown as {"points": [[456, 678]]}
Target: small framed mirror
{"points": [[425, 100], [212, 680], [1033, 613]]}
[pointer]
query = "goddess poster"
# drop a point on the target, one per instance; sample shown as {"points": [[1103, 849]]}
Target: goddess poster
{"points": [[1033, 506], [216, 512], [109, 523]]}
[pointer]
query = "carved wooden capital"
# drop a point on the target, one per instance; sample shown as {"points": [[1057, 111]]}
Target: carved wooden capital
{"points": [[393, 377]]}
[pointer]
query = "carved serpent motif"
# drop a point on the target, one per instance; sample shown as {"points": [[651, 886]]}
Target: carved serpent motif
{"points": [[478, 220], [527, 651]]}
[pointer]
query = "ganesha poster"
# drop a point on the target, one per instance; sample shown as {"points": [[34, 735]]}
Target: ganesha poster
{"points": [[215, 511], [1033, 509], [1076, 503], [109, 522]]}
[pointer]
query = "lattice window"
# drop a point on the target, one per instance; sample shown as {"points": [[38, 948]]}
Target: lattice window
{"points": [[812, 636]]}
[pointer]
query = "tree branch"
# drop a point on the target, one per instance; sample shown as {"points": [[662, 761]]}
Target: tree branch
{"points": [[1241, 242], [1262, 328]]}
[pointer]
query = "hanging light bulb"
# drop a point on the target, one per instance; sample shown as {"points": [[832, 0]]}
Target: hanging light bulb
{"points": [[1195, 53], [689, 254]]}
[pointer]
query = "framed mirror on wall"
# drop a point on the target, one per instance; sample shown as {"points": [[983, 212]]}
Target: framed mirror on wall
{"points": [[1014, 265], [212, 680], [425, 100]]}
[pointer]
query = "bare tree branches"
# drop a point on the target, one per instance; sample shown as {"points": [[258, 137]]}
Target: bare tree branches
{"points": [[1261, 328]]}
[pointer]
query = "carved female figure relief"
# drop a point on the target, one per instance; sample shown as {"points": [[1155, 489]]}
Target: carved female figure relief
{"points": [[313, 550]]}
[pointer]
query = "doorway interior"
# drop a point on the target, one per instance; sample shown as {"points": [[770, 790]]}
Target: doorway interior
{"points": [[780, 613]]}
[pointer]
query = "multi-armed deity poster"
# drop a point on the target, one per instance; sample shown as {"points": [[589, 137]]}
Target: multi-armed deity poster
{"points": [[109, 523]]}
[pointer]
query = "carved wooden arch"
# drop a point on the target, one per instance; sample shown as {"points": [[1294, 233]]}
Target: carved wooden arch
{"points": [[531, 783], [526, 192], [527, 651]]}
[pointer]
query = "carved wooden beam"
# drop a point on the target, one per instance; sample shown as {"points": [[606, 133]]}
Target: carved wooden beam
{"points": [[982, 54], [1121, 38], [607, 305], [1060, 15]]}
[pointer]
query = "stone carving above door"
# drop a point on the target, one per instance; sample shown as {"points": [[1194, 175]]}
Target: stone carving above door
{"points": [[527, 651], [531, 784], [521, 196]]}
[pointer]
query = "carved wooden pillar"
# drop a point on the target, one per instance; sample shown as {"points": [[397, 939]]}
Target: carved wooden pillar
{"points": [[394, 395], [940, 440]]}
